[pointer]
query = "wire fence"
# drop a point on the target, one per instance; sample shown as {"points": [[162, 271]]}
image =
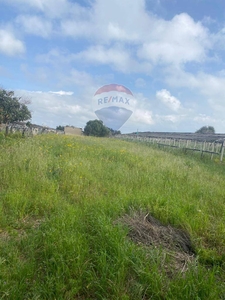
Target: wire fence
{"points": [[200, 145]]}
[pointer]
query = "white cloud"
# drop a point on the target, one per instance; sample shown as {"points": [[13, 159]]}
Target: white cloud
{"points": [[76, 28], [54, 56], [79, 78], [219, 39], [51, 8], [57, 108], [171, 118], [142, 116], [111, 29], [34, 3], [170, 101], [212, 87], [119, 20], [177, 41], [35, 25], [204, 119], [117, 57], [62, 93], [208, 91], [9, 44]]}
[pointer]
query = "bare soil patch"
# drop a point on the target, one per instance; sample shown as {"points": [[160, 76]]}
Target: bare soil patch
{"points": [[20, 230], [175, 244]]}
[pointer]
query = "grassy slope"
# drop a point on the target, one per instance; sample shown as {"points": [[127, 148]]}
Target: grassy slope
{"points": [[60, 198]]}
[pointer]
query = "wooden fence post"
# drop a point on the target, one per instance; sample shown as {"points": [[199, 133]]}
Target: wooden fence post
{"points": [[195, 145], [222, 151], [203, 148], [213, 149], [187, 144]]}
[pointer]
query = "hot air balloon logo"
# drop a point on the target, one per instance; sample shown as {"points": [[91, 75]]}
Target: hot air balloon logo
{"points": [[113, 104]]}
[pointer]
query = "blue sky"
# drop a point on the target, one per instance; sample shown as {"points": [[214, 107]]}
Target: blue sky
{"points": [[169, 53]]}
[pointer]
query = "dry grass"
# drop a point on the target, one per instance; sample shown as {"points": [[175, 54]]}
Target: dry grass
{"points": [[175, 244]]}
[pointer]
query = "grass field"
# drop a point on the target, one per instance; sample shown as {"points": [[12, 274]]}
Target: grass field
{"points": [[94, 218]]}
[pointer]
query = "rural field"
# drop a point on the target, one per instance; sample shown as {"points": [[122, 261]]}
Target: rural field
{"points": [[100, 218]]}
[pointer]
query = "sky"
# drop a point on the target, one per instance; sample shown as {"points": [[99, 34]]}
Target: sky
{"points": [[169, 53]]}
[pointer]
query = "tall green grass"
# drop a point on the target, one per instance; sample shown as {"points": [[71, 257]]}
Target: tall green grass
{"points": [[60, 201]]}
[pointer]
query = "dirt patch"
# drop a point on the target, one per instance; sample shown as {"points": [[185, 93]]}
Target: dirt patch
{"points": [[20, 230], [31, 222], [175, 244], [4, 236]]}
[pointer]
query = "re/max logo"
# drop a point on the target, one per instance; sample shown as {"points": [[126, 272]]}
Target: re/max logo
{"points": [[113, 100]]}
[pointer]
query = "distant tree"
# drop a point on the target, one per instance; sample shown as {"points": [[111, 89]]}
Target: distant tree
{"points": [[114, 132], [96, 128], [28, 124], [12, 109], [206, 129], [61, 128]]}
